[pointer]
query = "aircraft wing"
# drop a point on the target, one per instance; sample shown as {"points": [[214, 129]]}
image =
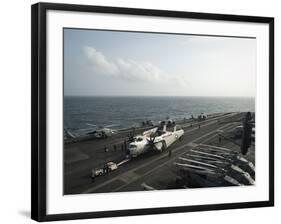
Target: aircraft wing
{"points": [[150, 131]]}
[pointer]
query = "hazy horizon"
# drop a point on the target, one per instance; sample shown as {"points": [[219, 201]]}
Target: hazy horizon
{"points": [[112, 63]]}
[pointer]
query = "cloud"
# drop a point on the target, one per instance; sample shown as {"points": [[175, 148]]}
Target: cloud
{"points": [[128, 69], [98, 61]]}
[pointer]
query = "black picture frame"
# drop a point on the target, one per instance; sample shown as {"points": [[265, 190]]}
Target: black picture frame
{"points": [[38, 108]]}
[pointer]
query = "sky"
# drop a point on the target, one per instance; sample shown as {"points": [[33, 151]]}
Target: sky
{"points": [[114, 63]]}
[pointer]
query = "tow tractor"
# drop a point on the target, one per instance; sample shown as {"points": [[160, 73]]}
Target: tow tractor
{"points": [[108, 167]]}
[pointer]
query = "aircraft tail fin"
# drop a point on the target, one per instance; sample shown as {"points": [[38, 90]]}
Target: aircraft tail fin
{"points": [[68, 133]]}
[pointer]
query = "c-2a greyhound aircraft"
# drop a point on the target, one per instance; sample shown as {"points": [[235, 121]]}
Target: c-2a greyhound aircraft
{"points": [[154, 139]]}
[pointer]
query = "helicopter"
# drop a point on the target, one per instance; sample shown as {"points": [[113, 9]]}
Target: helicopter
{"points": [[102, 131]]}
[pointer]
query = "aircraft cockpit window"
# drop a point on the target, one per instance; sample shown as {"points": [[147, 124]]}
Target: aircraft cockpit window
{"points": [[139, 139]]}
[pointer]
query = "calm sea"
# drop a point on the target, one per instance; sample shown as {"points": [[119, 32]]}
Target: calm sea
{"points": [[83, 114]]}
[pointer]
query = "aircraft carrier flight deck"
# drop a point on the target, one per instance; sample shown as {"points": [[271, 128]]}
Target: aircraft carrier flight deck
{"points": [[200, 159]]}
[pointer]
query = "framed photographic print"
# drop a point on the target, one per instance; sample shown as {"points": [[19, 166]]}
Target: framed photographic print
{"points": [[140, 111]]}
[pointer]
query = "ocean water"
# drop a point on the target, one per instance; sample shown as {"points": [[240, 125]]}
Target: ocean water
{"points": [[83, 114]]}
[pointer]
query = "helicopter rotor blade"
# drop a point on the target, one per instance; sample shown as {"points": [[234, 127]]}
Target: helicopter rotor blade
{"points": [[112, 125], [93, 125]]}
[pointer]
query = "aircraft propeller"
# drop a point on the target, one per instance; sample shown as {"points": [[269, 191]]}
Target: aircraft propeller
{"points": [[151, 141]]}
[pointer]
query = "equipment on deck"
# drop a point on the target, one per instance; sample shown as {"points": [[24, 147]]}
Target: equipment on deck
{"points": [[108, 167]]}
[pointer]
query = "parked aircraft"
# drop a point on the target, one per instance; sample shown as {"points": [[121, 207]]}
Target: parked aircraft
{"points": [[102, 132], [154, 139]]}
